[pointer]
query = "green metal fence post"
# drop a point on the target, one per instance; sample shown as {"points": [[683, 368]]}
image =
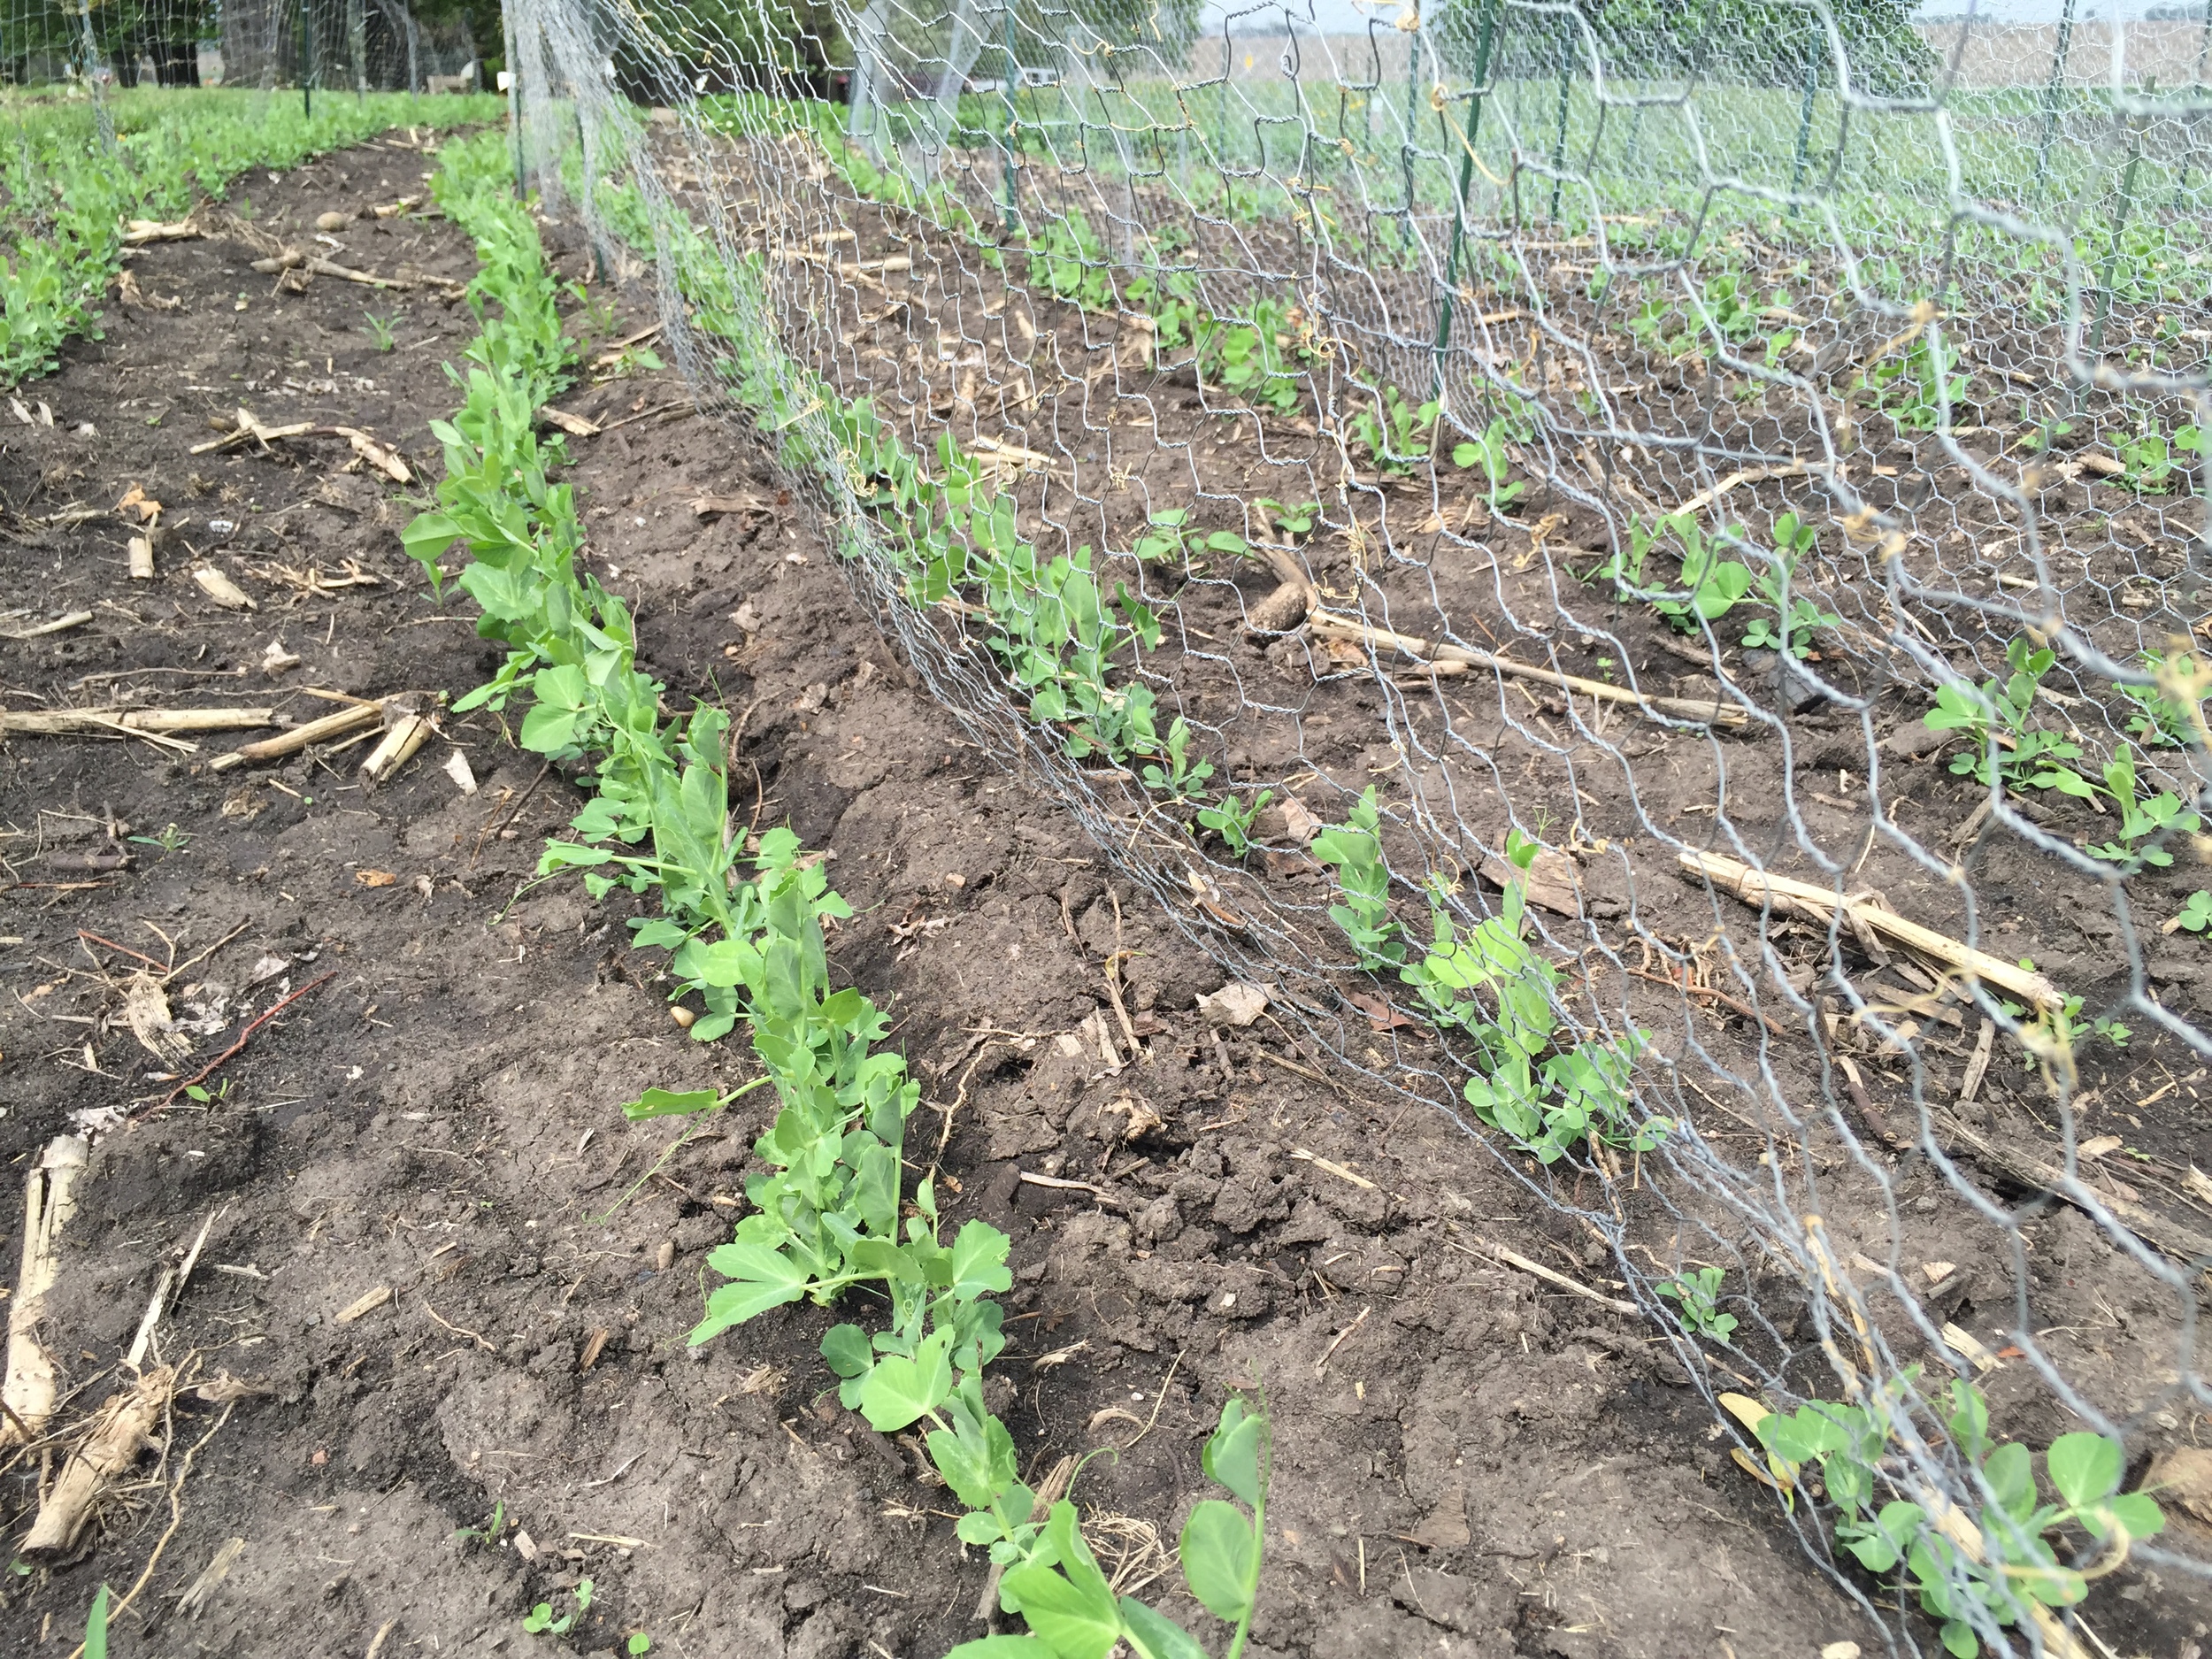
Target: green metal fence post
{"points": [[1413, 98], [2189, 155], [2051, 94], [1008, 157], [1484, 35], [2119, 227], [307, 58], [1559, 134], [1805, 116]]}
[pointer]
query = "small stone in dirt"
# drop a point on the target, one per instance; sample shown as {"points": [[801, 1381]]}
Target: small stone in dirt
{"points": [[1235, 1004], [665, 1258], [333, 221]]}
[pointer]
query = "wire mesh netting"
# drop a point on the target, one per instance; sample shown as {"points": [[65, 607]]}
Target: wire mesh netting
{"points": [[1641, 564], [89, 46]]}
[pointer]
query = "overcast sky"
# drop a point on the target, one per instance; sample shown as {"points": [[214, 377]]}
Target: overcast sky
{"points": [[1344, 16]]}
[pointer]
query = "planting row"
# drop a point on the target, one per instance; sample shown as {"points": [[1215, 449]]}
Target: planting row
{"points": [[70, 199], [1069, 652], [828, 1211], [1267, 358]]}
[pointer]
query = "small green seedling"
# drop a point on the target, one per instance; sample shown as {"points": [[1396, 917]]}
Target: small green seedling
{"points": [[96, 1627], [1710, 587], [1071, 1608], [1549, 1105], [2068, 1024], [379, 330], [1181, 777], [1165, 535], [1795, 617], [2035, 759], [1362, 879], [2161, 720], [631, 360], [1488, 451], [170, 838], [2141, 819], [597, 311], [1231, 819], [540, 1620], [638, 1643], [1919, 385], [1395, 433], [2150, 461], [1696, 1296], [491, 1531], [2018, 1560], [2196, 912], [1289, 520]]}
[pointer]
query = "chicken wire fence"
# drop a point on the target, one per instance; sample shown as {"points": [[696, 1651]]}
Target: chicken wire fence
{"points": [[1637, 564], [89, 47]]}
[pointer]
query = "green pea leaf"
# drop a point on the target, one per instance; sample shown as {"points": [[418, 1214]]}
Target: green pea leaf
{"points": [[1154, 1635], [899, 1390], [977, 1467], [1875, 1552], [978, 1527], [2136, 1513], [96, 1630], [547, 730], [846, 1348], [1232, 1455], [875, 1191], [428, 535], [2083, 1467], [2012, 1479], [1003, 1648], [660, 1102], [761, 1279], [1069, 1606], [1220, 1558], [979, 1262]]}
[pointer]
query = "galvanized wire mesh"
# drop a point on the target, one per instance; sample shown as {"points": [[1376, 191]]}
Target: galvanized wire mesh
{"points": [[91, 46], [1614, 427]]}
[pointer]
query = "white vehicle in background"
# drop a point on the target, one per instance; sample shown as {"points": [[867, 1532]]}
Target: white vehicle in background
{"points": [[1025, 78]]}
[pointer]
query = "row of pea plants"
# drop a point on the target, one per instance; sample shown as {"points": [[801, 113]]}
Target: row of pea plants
{"points": [[1264, 356], [1484, 986], [65, 199], [828, 1210], [1062, 642], [1548, 1093]]}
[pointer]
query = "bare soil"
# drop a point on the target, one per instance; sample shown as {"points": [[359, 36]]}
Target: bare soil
{"points": [[1470, 1460]]}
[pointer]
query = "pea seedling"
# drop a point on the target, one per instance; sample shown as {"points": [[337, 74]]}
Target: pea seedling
{"points": [[1070, 1610], [2034, 758], [2017, 1558], [1182, 775], [540, 1620], [1488, 451], [2141, 818], [1696, 1297], [1363, 883], [1231, 819]]}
